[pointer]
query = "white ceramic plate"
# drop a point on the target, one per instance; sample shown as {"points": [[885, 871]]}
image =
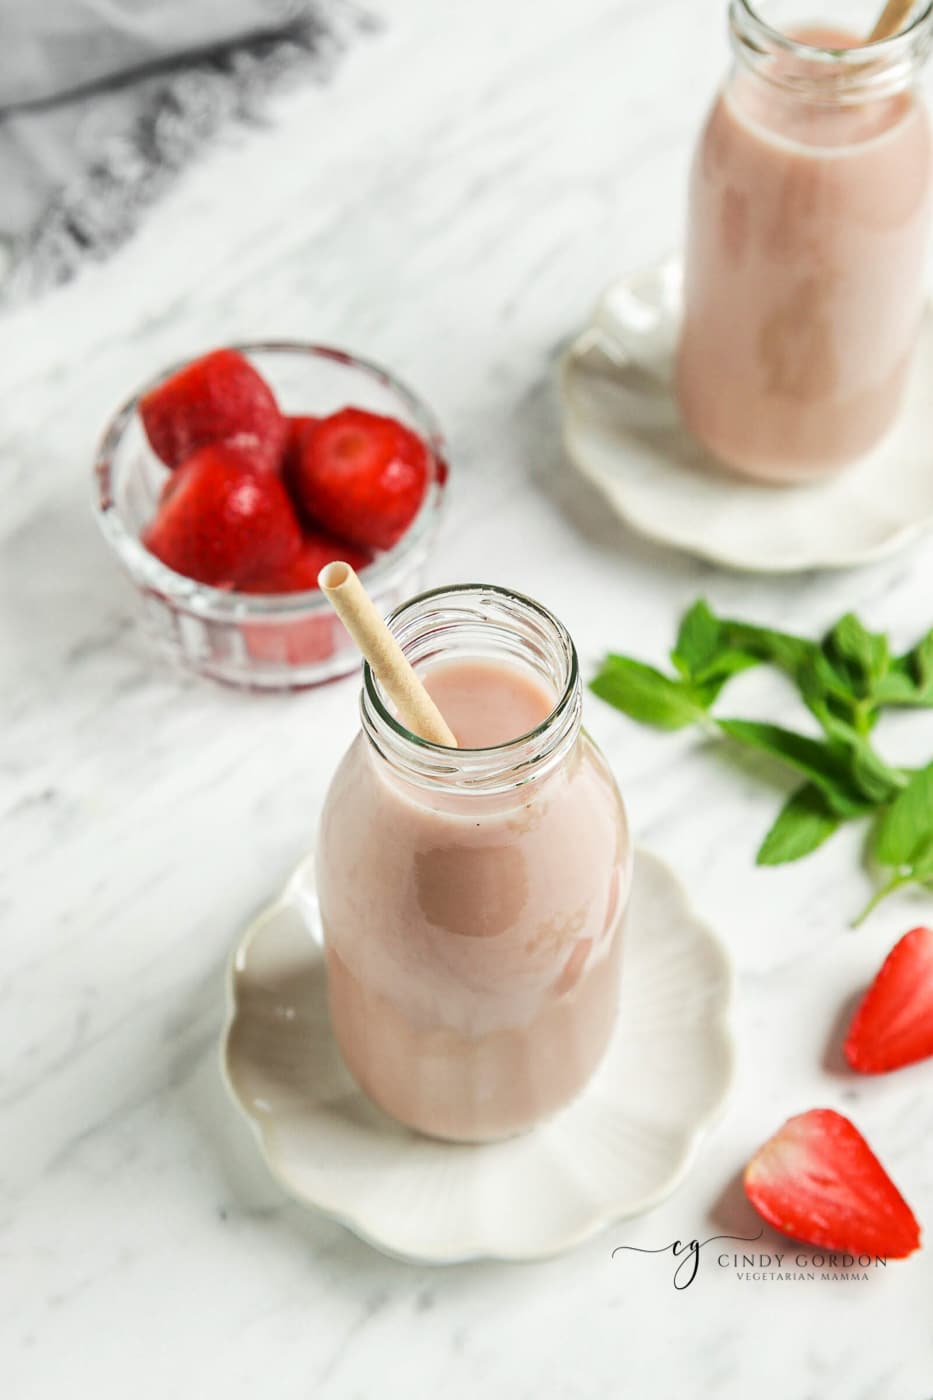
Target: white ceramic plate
{"points": [[620, 1148], [622, 431]]}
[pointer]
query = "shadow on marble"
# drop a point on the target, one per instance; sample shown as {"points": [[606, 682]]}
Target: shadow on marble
{"points": [[537, 421], [733, 1213], [834, 1061], [758, 769]]}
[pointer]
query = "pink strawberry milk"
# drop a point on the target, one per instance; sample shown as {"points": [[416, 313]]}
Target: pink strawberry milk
{"points": [[472, 899], [804, 278]]}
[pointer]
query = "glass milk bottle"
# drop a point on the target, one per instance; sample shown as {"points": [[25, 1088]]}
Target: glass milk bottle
{"points": [[472, 899], [808, 214]]}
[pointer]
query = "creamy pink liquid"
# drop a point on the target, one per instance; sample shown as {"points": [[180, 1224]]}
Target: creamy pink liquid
{"points": [[473, 940], [804, 274]]}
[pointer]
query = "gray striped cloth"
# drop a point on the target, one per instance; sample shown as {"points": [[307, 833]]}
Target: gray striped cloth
{"points": [[102, 101]]}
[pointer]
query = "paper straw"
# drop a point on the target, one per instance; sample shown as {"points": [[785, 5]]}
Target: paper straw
{"points": [[356, 610]]}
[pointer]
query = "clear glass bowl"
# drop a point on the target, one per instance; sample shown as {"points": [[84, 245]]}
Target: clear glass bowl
{"points": [[267, 642]]}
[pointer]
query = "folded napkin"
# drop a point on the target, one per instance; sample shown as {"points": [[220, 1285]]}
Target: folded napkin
{"points": [[101, 101]]}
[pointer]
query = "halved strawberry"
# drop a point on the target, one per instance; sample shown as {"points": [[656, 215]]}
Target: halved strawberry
{"points": [[893, 1025], [222, 521], [301, 573], [219, 398], [362, 476], [819, 1181]]}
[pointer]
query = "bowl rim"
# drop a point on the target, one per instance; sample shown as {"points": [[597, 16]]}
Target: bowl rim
{"points": [[203, 600]]}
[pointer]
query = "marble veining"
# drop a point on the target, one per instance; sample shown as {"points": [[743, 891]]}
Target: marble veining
{"points": [[451, 204]]}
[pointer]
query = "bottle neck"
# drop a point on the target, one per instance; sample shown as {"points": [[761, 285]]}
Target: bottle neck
{"points": [[827, 64], [478, 622]]}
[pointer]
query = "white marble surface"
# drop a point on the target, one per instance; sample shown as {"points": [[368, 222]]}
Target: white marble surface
{"points": [[451, 205]]}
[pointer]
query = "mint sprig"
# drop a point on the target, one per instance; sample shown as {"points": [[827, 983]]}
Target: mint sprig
{"points": [[846, 681], [903, 838]]}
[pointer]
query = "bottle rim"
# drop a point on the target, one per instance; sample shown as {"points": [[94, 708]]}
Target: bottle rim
{"points": [[824, 73], [510, 625]]}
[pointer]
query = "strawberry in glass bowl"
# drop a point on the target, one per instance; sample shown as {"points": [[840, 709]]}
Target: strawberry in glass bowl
{"points": [[227, 483]]}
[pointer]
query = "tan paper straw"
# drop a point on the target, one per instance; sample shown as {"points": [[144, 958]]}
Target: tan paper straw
{"points": [[356, 610], [890, 20]]}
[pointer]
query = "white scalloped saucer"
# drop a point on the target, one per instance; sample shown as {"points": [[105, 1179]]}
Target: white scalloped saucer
{"points": [[620, 1148], [622, 432]]}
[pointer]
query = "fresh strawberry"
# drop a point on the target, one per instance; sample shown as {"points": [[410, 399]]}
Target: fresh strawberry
{"points": [[819, 1181], [222, 521], [220, 398], [301, 573], [299, 641], [298, 425], [362, 477], [297, 430], [893, 1025]]}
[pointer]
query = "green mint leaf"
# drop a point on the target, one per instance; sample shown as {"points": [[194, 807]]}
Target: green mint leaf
{"points": [[909, 680], [828, 695], [874, 778], [646, 694], [803, 823], [859, 656], [904, 833], [701, 655], [847, 721], [710, 681], [697, 640], [812, 758], [845, 681], [921, 658], [781, 649], [899, 686], [922, 863]]}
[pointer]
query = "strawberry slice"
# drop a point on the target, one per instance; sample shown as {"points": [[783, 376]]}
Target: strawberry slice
{"points": [[362, 477], [893, 1025], [301, 573], [223, 521], [219, 398], [819, 1181]]}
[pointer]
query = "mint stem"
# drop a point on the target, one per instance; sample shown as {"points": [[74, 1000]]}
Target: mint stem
{"points": [[896, 882]]}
